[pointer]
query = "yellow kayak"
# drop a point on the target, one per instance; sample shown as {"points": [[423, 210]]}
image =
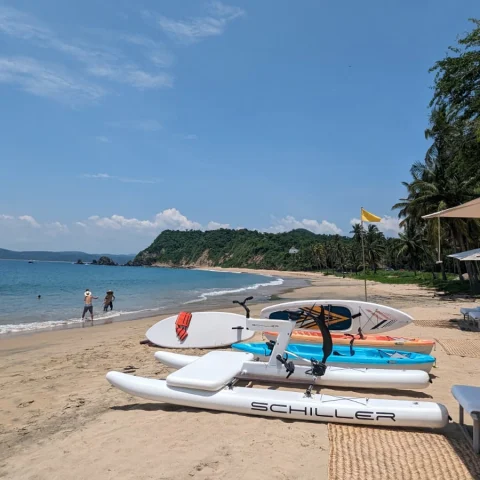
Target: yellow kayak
{"points": [[374, 341]]}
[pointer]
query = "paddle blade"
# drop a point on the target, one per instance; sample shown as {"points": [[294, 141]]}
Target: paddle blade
{"points": [[327, 345]]}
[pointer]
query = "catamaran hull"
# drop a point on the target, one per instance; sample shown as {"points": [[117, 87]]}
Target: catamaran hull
{"points": [[334, 376], [289, 405]]}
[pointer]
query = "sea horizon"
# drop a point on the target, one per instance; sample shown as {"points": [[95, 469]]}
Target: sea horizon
{"points": [[140, 292]]}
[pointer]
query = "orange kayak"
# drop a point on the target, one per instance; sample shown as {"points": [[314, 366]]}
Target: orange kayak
{"points": [[376, 341]]}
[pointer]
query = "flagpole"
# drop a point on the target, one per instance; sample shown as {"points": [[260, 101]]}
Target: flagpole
{"points": [[363, 252]]}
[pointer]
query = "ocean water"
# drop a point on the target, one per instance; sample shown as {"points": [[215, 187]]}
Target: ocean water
{"points": [[139, 292]]}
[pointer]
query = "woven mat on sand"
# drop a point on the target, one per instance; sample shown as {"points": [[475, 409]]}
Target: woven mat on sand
{"points": [[436, 323], [363, 453], [462, 348]]}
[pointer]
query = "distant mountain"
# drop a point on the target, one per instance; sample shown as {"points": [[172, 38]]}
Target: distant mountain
{"points": [[62, 256]]}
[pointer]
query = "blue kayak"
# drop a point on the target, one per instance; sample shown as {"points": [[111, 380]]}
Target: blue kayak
{"points": [[343, 356]]}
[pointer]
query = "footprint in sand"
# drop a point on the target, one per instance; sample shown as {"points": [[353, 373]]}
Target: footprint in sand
{"points": [[205, 468], [25, 404], [75, 402]]}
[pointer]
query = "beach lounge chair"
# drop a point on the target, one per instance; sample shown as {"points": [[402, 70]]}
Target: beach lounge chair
{"points": [[465, 311], [473, 319], [468, 398]]}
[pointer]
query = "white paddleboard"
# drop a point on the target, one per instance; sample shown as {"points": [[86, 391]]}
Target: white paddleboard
{"points": [[206, 330], [340, 315]]}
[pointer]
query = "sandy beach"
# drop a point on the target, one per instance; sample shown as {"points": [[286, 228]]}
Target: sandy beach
{"points": [[60, 419]]}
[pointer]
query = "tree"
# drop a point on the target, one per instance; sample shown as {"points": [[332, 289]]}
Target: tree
{"points": [[449, 174], [357, 231], [374, 246], [457, 81], [354, 257], [410, 244], [319, 255]]}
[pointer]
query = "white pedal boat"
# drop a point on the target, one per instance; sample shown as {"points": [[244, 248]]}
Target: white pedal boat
{"points": [[207, 383], [274, 371]]}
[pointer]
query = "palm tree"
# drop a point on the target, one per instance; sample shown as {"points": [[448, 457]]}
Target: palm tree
{"points": [[374, 246], [319, 255], [354, 257], [410, 244], [357, 231]]}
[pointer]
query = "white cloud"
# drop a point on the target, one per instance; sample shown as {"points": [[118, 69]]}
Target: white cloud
{"points": [[6, 217], [290, 223], [131, 75], [20, 25], [81, 224], [156, 52], [195, 29], [216, 225], [96, 175], [106, 176], [388, 225], [56, 228], [168, 219], [30, 220], [102, 139], [49, 81], [226, 11], [101, 61], [190, 136]]}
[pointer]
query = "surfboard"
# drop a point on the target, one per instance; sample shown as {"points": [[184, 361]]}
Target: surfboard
{"points": [[206, 330], [340, 315]]}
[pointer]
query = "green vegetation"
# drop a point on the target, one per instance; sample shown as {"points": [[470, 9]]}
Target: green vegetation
{"points": [[252, 249], [235, 248], [447, 176]]}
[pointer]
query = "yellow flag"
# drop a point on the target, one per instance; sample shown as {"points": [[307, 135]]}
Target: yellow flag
{"points": [[369, 217]]}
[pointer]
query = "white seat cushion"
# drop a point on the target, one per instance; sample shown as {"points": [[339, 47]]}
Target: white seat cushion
{"points": [[468, 397], [211, 372], [465, 310]]}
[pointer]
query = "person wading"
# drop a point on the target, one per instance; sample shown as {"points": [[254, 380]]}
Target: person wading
{"points": [[108, 300], [88, 306]]}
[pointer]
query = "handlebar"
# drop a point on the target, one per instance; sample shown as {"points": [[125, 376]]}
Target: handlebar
{"points": [[247, 310]]}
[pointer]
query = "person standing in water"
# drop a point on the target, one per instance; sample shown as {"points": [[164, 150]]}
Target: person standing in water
{"points": [[88, 306], [108, 300]]}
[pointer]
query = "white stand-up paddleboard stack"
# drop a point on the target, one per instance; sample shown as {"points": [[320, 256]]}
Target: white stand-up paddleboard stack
{"points": [[209, 382], [349, 316]]}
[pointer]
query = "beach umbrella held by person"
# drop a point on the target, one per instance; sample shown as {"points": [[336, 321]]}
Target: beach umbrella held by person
{"points": [[108, 300], [88, 306]]}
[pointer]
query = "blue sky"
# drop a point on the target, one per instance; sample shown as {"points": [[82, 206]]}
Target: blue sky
{"points": [[122, 118]]}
